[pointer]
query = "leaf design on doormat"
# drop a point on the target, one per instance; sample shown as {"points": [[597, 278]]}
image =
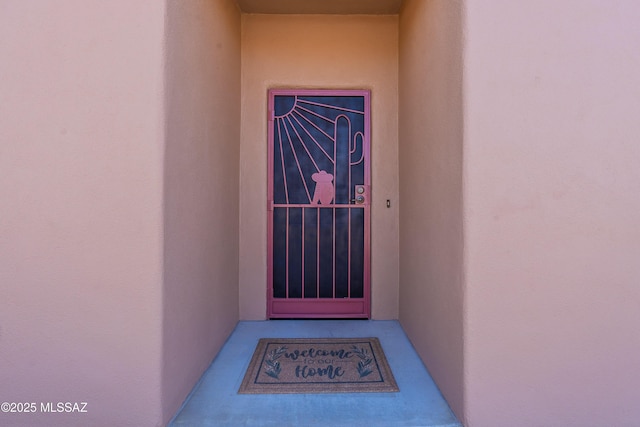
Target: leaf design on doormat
{"points": [[273, 367], [364, 367]]}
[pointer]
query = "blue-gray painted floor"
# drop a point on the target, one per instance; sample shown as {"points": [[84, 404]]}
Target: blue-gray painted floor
{"points": [[214, 401]]}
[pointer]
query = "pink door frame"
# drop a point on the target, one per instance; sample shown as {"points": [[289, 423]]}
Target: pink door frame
{"points": [[334, 306]]}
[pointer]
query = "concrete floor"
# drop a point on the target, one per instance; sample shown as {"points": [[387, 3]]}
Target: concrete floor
{"points": [[214, 400]]}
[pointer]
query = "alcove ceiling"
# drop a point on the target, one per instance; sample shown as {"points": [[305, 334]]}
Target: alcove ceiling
{"points": [[331, 7]]}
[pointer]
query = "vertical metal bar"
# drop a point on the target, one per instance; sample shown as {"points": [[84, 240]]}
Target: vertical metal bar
{"points": [[318, 254], [286, 263], [366, 145], [333, 248], [302, 268], [349, 255], [270, 213], [335, 194], [349, 222]]}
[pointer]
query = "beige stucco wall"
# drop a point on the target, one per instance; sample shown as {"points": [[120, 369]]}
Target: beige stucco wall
{"points": [[81, 131], [552, 196], [431, 244], [201, 172], [322, 51]]}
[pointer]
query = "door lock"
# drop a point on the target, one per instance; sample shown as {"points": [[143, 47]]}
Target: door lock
{"points": [[360, 195]]}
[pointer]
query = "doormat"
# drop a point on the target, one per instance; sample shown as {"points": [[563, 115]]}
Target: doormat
{"points": [[321, 365]]}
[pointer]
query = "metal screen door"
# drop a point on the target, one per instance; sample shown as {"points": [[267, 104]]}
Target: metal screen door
{"points": [[319, 204]]}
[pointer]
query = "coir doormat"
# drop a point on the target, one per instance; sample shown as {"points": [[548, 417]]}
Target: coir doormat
{"points": [[323, 365]]}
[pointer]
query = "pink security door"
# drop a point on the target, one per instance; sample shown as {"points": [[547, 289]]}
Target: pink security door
{"points": [[319, 203]]}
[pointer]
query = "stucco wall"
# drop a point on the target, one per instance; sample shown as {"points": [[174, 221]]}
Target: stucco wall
{"points": [[552, 195], [81, 140], [431, 244], [202, 104], [322, 51]]}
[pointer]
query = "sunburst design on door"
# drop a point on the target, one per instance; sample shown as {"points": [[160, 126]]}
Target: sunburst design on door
{"points": [[306, 131]]}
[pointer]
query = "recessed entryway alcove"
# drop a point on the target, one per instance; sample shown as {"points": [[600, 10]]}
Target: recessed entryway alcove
{"points": [[407, 54]]}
